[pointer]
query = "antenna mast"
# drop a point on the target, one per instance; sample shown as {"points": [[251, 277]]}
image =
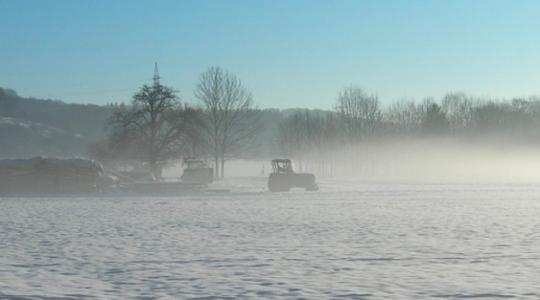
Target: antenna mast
{"points": [[156, 75]]}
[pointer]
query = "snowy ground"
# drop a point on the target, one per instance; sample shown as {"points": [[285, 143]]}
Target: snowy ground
{"points": [[351, 240]]}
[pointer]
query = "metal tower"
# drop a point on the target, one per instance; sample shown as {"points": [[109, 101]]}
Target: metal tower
{"points": [[156, 75]]}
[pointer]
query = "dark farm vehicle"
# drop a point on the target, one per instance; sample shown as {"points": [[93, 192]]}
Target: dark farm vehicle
{"points": [[196, 171], [283, 177]]}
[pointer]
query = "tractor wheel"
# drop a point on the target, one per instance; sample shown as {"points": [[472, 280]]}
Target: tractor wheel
{"points": [[313, 187], [278, 183]]}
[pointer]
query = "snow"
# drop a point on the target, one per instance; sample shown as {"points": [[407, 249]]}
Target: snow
{"points": [[44, 130], [14, 122], [351, 240]]}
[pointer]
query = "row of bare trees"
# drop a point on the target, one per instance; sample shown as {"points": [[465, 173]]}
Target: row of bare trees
{"points": [[157, 128], [359, 119]]}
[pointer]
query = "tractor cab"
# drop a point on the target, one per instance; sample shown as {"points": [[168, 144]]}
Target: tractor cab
{"points": [[282, 166], [192, 163], [283, 178]]}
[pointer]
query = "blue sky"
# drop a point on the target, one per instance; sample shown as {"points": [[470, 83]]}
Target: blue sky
{"points": [[288, 53]]}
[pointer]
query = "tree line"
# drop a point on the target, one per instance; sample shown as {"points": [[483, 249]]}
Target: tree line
{"points": [[37, 127], [156, 127], [359, 120]]}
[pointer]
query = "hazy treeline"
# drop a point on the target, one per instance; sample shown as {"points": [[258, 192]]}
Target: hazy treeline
{"points": [[361, 124], [359, 135], [84, 119], [31, 127]]}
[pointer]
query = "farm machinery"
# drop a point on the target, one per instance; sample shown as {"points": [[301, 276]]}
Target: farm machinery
{"points": [[283, 177], [196, 171]]}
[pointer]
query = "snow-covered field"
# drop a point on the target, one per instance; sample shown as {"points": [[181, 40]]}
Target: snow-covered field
{"points": [[348, 241]]}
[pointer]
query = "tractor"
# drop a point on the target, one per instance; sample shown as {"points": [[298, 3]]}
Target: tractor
{"points": [[283, 177], [196, 171]]}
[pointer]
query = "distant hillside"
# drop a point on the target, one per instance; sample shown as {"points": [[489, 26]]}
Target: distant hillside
{"points": [[30, 127]]}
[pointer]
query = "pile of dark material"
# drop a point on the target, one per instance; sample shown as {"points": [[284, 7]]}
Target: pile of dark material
{"points": [[52, 176]]}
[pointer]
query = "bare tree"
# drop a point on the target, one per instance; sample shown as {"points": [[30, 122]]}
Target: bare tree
{"points": [[359, 111], [157, 125], [231, 117]]}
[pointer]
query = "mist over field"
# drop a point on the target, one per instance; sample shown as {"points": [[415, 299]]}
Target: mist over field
{"points": [[458, 138], [284, 149], [436, 160], [410, 161]]}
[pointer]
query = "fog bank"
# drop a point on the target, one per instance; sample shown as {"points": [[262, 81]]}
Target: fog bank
{"points": [[409, 161]]}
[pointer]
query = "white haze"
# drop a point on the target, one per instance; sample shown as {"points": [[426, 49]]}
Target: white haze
{"points": [[408, 161], [435, 160]]}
